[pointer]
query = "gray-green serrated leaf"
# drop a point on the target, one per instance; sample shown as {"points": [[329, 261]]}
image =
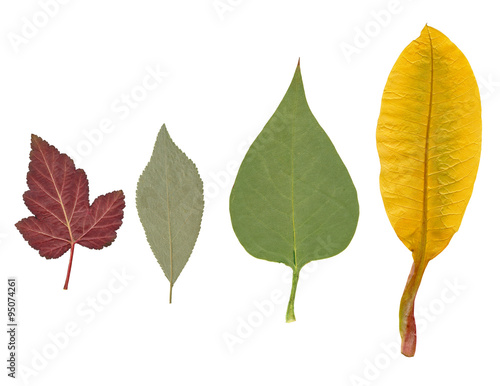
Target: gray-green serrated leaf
{"points": [[170, 205], [293, 200]]}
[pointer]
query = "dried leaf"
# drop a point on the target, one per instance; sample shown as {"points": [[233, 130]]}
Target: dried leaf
{"points": [[429, 142], [293, 200], [170, 205], [58, 196]]}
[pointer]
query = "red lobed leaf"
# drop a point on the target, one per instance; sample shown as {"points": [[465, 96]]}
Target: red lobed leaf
{"points": [[58, 196]]}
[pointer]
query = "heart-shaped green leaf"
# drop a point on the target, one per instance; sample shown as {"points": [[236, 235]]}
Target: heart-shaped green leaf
{"points": [[293, 200]]}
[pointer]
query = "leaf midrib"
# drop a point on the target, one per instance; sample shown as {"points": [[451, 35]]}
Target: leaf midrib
{"points": [[68, 225], [423, 241], [169, 226], [294, 114]]}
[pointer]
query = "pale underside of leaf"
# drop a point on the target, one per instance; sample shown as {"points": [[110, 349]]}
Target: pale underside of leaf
{"points": [[170, 205]]}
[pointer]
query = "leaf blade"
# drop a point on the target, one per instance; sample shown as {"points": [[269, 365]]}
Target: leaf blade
{"points": [[169, 201], [103, 219], [293, 200], [407, 145]]}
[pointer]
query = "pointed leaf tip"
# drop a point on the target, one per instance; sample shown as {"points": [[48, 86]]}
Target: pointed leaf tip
{"points": [[36, 141]]}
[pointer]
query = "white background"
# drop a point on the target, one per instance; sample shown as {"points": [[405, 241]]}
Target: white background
{"points": [[227, 73]]}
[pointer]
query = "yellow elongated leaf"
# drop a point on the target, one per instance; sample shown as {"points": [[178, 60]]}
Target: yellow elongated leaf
{"points": [[429, 143]]}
